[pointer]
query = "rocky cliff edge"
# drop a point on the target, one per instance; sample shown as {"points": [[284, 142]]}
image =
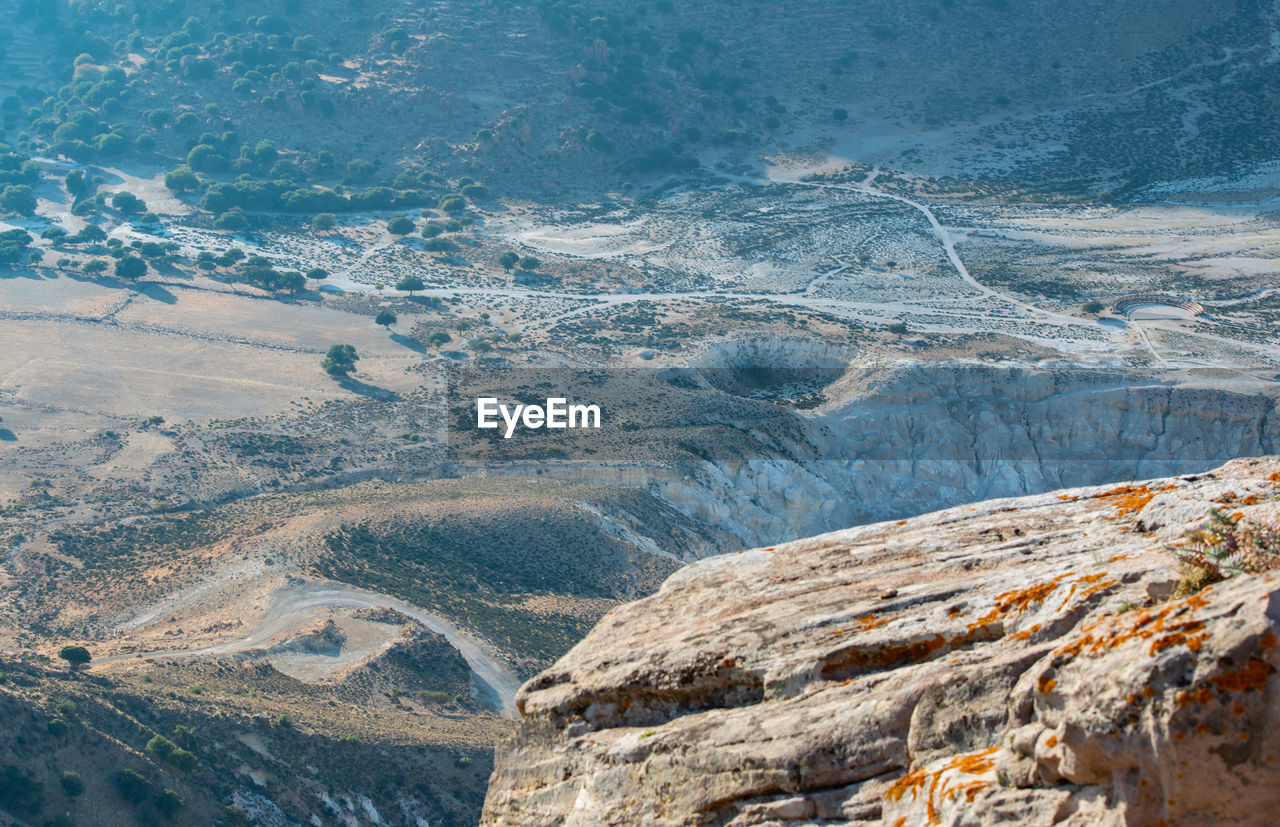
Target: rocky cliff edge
{"points": [[1019, 661]]}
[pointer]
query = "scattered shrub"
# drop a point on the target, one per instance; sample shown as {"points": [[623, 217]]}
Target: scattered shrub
{"points": [[71, 783], [161, 747], [133, 787], [1226, 546]]}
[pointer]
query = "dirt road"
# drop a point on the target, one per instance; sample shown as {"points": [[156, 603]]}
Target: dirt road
{"points": [[493, 684]]}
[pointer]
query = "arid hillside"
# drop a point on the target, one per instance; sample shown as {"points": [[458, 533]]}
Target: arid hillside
{"points": [[541, 96], [820, 264]]}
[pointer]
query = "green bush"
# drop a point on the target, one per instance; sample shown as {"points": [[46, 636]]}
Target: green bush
{"points": [[133, 787], [168, 803], [184, 760], [410, 284], [1226, 546], [128, 203], [400, 225], [130, 267], [205, 158], [232, 220], [185, 736], [339, 361], [71, 783], [77, 656], [18, 198], [161, 747], [439, 245]]}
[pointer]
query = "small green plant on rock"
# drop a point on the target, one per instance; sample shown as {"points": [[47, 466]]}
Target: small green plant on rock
{"points": [[1225, 546]]}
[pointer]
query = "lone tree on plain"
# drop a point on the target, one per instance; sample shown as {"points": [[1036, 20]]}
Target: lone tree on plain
{"points": [[509, 260], [1093, 307], [410, 284], [400, 225], [529, 263], [75, 656], [340, 360], [318, 273], [385, 318], [323, 222], [131, 267]]}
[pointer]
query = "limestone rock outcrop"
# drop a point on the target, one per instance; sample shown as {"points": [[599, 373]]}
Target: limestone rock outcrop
{"points": [[1020, 661]]}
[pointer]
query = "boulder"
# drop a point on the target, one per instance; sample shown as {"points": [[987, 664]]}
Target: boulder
{"points": [[1015, 661]]}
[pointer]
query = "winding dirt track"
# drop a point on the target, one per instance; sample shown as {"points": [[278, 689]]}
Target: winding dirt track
{"points": [[493, 684]]}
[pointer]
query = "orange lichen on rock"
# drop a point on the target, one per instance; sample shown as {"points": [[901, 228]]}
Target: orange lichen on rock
{"points": [[1021, 599], [1130, 498], [1202, 696], [1026, 633], [941, 788], [1164, 627], [871, 621], [1017, 601], [1095, 583], [883, 657], [1045, 684], [1254, 675], [1190, 635]]}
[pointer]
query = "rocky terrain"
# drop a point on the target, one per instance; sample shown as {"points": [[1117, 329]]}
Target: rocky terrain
{"points": [[1034, 661], [823, 264]]}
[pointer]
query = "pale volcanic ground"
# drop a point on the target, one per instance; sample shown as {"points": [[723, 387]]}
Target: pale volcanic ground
{"points": [[96, 355]]}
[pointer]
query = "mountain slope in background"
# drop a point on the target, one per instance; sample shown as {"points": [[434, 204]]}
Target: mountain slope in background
{"points": [[542, 95]]}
